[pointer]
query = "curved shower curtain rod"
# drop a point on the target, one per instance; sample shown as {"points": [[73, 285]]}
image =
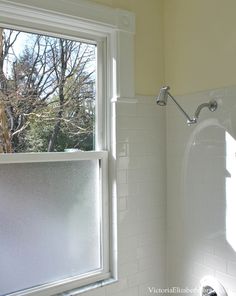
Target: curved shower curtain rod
{"points": [[162, 101]]}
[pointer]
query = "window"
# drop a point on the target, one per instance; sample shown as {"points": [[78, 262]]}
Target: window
{"points": [[53, 224], [57, 220], [47, 93], [54, 221]]}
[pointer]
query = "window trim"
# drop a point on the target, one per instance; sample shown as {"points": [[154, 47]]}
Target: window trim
{"points": [[115, 28]]}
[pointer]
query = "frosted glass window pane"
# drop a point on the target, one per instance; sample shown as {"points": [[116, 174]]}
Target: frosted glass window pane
{"points": [[49, 222]]}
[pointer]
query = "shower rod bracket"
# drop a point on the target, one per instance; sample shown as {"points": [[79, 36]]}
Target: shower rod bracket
{"points": [[162, 101]]}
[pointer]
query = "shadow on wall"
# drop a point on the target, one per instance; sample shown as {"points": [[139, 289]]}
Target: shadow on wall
{"points": [[209, 185]]}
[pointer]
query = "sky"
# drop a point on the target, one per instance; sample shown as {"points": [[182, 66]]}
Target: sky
{"points": [[21, 41]]}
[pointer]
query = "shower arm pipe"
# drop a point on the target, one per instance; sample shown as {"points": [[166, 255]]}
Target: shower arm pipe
{"points": [[200, 107], [189, 120]]}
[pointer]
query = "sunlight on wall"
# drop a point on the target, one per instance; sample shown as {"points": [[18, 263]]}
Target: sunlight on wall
{"points": [[230, 182]]}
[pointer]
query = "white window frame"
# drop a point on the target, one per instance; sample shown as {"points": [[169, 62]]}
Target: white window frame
{"points": [[113, 31]]}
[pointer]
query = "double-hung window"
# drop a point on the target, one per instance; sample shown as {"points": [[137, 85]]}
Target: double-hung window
{"points": [[54, 144], [61, 76]]}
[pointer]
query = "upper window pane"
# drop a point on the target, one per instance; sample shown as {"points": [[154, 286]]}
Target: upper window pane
{"points": [[47, 93]]}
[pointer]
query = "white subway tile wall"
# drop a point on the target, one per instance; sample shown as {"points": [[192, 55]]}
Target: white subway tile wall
{"points": [[141, 199], [201, 192]]}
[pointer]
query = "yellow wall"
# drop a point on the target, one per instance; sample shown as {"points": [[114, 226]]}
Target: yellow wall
{"points": [[200, 44], [149, 58], [149, 74], [199, 51]]}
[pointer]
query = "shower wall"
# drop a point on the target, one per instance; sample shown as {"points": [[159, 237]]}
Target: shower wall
{"points": [[201, 192], [200, 64]]}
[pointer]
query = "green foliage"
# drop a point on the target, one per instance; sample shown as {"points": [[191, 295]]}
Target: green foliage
{"points": [[38, 133], [37, 136]]}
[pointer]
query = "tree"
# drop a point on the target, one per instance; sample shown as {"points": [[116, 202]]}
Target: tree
{"points": [[6, 42], [49, 93]]}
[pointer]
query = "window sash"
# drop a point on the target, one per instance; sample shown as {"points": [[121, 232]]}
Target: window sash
{"points": [[51, 156], [101, 108], [93, 276]]}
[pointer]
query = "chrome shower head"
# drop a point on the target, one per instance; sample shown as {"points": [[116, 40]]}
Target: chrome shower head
{"points": [[163, 95], [162, 101]]}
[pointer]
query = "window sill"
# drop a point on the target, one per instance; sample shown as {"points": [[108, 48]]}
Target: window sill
{"points": [[90, 287]]}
